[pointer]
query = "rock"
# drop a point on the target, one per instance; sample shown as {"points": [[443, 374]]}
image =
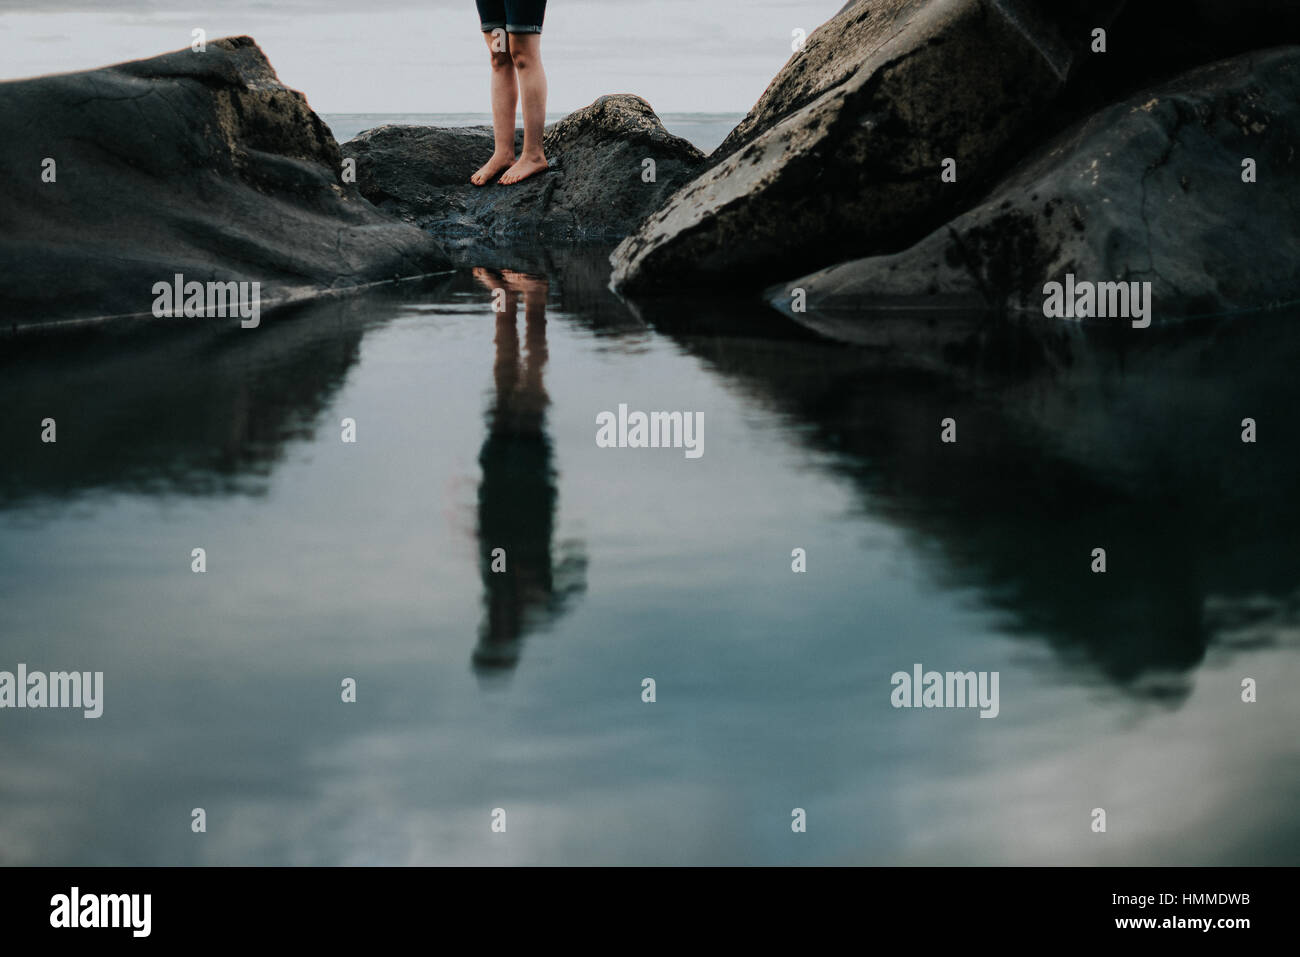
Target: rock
{"points": [[198, 163], [843, 151], [594, 191], [841, 157], [841, 47], [1150, 189]]}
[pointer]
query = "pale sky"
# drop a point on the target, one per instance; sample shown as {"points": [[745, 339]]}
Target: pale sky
{"points": [[427, 56]]}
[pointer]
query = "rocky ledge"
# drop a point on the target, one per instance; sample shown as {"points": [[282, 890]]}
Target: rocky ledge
{"points": [[899, 115], [1191, 187], [194, 163], [611, 163]]}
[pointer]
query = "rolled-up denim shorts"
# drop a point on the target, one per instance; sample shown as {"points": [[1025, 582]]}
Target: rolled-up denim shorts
{"points": [[517, 16]]}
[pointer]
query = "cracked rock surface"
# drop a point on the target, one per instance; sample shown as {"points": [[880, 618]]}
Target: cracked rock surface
{"points": [[1150, 189], [598, 187], [198, 163], [841, 154], [840, 157]]}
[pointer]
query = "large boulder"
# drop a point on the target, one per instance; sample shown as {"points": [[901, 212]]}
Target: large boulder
{"points": [[841, 48], [1149, 190], [842, 155], [599, 186], [843, 152], [193, 163]]}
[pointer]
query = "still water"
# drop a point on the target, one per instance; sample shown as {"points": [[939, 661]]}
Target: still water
{"points": [[522, 690]]}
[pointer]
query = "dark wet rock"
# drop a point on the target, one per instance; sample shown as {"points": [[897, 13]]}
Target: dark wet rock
{"points": [[843, 152], [198, 163], [842, 155], [844, 45], [1150, 189], [595, 189]]}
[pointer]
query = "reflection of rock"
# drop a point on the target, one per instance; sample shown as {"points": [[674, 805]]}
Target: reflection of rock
{"points": [[578, 274], [1148, 190], [1081, 444], [194, 410], [197, 163], [841, 157], [595, 189]]}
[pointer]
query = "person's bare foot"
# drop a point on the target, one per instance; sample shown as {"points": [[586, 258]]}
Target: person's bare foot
{"points": [[488, 171], [487, 277], [524, 283], [526, 167]]}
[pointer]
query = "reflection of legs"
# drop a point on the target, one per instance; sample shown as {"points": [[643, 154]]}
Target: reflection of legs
{"points": [[534, 291], [517, 492], [498, 642], [504, 96], [534, 490], [505, 368]]}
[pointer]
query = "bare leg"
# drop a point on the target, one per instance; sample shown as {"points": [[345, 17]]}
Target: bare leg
{"points": [[526, 51], [504, 96]]}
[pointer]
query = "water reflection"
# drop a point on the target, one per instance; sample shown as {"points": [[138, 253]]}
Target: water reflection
{"points": [[1069, 439], [187, 407], [338, 563], [522, 589], [1067, 442]]}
